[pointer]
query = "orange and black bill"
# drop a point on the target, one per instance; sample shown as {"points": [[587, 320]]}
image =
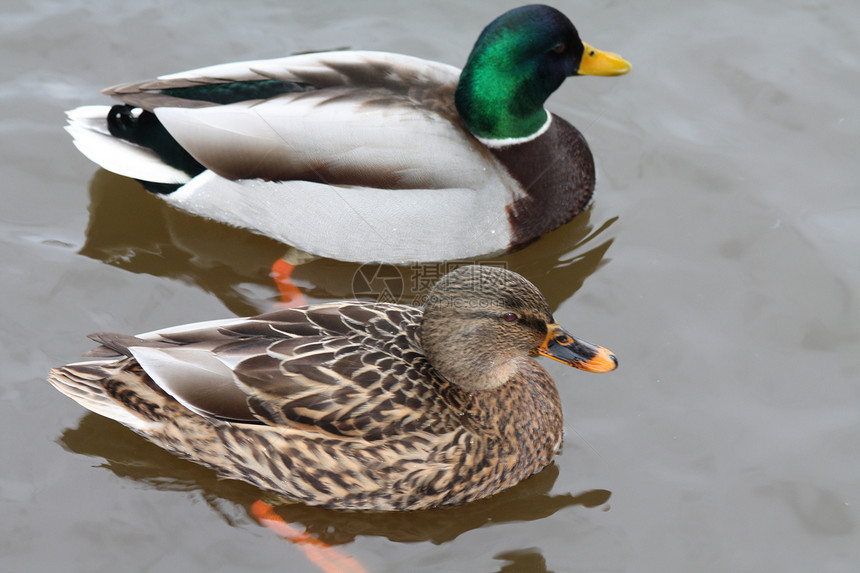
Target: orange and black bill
{"points": [[561, 346]]}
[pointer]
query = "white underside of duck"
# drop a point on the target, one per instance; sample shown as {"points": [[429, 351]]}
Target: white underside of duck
{"points": [[394, 226]]}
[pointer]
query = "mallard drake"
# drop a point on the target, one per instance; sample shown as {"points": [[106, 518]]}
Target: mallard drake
{"points": [[352, 405], [367, 156]]}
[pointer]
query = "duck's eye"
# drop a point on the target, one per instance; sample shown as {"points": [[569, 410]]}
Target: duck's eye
{"points": [[559, 48], [510, 317]]}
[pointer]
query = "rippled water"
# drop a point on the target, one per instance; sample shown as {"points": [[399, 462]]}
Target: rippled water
{"points": [[720, 261]]}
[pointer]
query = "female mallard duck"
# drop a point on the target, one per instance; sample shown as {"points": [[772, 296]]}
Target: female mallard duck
{"points": [[367, 156], [353, 405]]}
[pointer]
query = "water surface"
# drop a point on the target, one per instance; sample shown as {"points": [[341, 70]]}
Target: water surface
{"points": [[719, 261]]}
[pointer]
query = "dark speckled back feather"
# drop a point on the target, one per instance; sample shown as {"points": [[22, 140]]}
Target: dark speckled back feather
{"points": [[340, 369]]}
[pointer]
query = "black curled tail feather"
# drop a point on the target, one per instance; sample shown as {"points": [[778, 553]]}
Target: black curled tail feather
{"points": [[143, 128]]}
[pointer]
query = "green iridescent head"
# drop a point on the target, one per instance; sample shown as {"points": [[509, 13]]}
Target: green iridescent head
{"points": [[520, 58]]}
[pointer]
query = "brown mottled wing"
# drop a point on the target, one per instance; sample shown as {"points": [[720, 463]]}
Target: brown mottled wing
{"points": [[361, 374]]}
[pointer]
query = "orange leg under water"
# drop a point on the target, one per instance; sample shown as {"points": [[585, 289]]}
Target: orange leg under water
{"points": [[291, 296], [319, 553]]}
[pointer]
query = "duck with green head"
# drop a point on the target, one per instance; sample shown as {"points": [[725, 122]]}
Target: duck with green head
{"points": [[353, 405], [367, 156]]}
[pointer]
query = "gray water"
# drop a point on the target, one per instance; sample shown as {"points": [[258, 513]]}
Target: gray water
{"points": [[719, 262]]}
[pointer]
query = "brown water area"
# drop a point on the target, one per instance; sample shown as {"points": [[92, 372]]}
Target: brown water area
{"points": [[720, 261]]}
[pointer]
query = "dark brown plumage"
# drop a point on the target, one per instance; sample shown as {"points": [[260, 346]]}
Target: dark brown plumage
{"points": [[353, 405]]}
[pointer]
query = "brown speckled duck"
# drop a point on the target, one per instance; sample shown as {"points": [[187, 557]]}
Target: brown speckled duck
{"points": [[352, 405]]}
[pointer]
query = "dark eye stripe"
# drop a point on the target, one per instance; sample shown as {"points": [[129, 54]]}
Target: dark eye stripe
{"points": [[537, 324]]}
